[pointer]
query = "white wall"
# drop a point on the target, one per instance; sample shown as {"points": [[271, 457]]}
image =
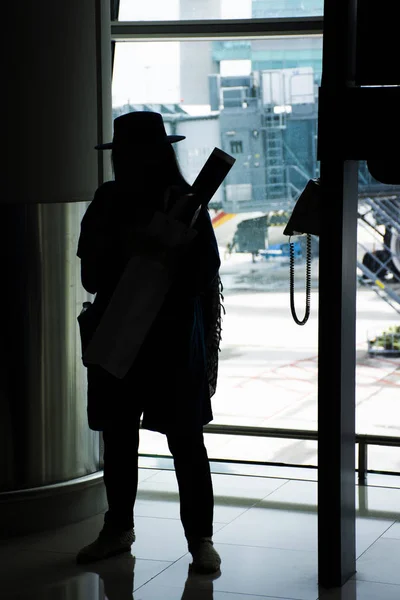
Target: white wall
{"points": [[202, 136]]}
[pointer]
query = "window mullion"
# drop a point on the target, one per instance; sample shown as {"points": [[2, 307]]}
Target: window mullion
{"points": [[218, 29]]}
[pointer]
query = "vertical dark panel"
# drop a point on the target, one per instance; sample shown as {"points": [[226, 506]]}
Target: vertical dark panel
{"points": [[337, 304], [114, 11], [336, 373], [377, 43]]}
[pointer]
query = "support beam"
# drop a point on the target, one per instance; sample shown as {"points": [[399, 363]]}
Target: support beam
{"points": [[336, 373], [337, 303]]}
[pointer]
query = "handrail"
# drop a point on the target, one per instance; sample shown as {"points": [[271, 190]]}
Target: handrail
{"points": [[362, 439]]}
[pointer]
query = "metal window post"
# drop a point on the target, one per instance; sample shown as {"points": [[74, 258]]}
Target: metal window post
{"points": [[362, 462], [337, 305]]}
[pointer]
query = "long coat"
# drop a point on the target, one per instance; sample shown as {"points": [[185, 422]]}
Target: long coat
{"points": [[167, 383]]}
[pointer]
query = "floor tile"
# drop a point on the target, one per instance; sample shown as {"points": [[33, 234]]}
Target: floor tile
{"points": [[121, 575], [254, 571], [52, 575], [68, 539], [156, 463], [238, 486], [263, 471], [269, 524], [376, 479], [26, 572], [233, 495], [146, 474], [363, 590], [370, 500], [267, 471], [165, 503], [296, 494], [265, 528], [378, 501], [165, 476], [393, 531], [157, 500], [287, 519], [380, 563], [192, 592], [159, 539], [162, 503], [246, 488], [368, 531]]}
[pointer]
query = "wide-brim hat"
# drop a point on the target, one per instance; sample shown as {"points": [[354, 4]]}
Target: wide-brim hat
{"points": [[139, 127]]}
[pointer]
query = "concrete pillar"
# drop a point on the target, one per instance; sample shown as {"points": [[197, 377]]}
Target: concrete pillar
{"points": [[58, 107]]}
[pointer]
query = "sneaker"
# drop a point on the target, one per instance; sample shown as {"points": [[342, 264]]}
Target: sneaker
{"points": [[109, 543], [205, 558]]}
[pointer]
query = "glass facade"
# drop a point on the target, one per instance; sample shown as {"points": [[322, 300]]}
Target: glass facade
{"points": [[268, 367]]}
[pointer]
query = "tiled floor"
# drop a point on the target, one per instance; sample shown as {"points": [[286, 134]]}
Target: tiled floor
{"points": [[265, 531]]}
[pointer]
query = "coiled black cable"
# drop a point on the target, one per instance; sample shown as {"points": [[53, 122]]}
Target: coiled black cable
{"points": [[308, 282]]}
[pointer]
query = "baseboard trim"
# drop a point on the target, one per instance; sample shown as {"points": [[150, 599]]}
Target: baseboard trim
{"points": [[34, 510]]}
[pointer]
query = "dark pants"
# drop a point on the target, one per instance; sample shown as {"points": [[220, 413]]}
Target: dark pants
{"points": [[192, 470]]}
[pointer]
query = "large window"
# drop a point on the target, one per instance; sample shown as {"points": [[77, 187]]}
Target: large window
{"points": [[378, 322], [255, 95]]}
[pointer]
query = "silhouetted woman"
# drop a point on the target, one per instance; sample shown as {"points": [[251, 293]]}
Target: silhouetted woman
{"points": [[171, 381]]}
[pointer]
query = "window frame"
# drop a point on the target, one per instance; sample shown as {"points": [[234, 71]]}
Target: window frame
{"points": [[206, 30], [245, 29]]}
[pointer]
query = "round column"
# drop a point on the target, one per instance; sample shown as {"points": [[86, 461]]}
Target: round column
{"points": [[58, 108]]}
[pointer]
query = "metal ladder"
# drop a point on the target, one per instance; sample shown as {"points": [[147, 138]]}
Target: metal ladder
{"points": [[274, 124]]}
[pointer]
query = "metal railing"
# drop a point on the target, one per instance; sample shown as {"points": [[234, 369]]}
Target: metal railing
{"points": [[363, 441]]}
